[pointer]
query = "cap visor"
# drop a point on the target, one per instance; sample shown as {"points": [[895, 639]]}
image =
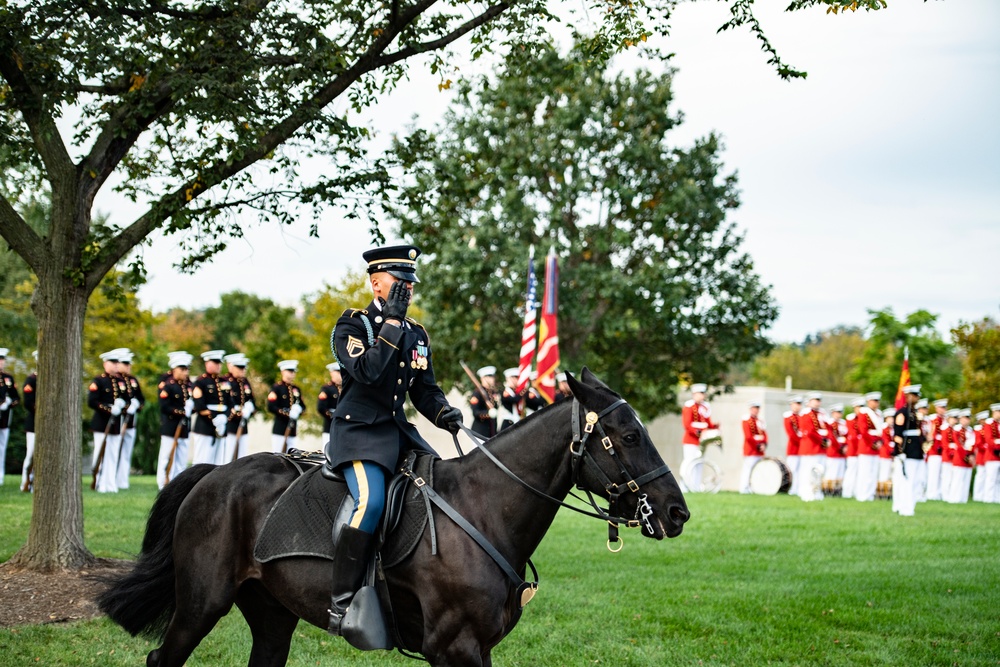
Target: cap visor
{"points": [[404, 275]]}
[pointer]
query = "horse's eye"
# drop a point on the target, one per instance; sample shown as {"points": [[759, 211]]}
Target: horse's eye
{"points": [[631, 438]]}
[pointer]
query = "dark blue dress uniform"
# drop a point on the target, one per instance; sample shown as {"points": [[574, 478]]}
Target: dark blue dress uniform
{"points": [[242, 394], [8, 389], [30, 390], [279, 402], [103, 392], [133, 390], [483, 423], [326, 403], [380, 366], [214, 393], [173, 395]]}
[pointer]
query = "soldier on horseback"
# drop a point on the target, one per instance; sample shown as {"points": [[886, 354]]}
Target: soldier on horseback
{"points": [[384, 355]]}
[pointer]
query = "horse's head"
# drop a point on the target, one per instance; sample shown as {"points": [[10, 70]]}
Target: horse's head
{"points": [[618, 457]]}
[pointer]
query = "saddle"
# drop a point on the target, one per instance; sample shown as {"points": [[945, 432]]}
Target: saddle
{"points": [[302, 521]]}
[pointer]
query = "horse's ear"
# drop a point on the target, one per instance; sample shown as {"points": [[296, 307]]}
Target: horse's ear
{"points": [[591, 379], [582, 390]]}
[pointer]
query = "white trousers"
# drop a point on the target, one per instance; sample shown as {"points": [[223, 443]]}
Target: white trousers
{"points": [[946, 469], [934, 477], [835, 468], [244, 447], [107, 476], [278, 442], [864, 487], [4, 437], [793, 467], [29, 455], [180, 459], [884, 470], [920, 483], [992, 494], [748, 463], [850, 476], [905, 475], [125, 458], [979, 484], [961, 478], [205, 448], [812, 468]]}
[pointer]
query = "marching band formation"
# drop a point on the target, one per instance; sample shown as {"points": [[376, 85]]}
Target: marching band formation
{"points": [[906, 455]]}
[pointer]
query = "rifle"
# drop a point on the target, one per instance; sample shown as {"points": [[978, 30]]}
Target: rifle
{"points": [[239, 434], [288, 429], [173, 450], [100, 455], [479, 387]]}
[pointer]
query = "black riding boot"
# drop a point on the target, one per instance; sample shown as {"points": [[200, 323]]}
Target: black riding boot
{"points": [[352, 553]]}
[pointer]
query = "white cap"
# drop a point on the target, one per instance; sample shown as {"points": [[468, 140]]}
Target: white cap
{"points": [[995, 406], [873, 396], [333, 367], [4, 352], [837, 407], [699, 388], [951, 413], [967, 412], [213, 355], [237, 359], [560, 377], [858, 402], [179, 358], [126, 356], [941, 403], [814, 396], [289, 365], [486, 370], [922, 403], [753, 404], [795, 399], [912, 389], [889, 412], [112, 355], [511, 372], [980, 416]]}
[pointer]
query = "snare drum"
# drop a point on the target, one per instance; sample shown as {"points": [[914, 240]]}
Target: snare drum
{"points": [[770, 477]]}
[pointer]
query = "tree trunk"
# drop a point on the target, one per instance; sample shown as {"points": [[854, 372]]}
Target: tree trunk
{"points": [[55, 540]]}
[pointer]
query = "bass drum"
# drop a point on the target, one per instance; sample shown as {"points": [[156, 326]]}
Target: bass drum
{"points": [[770, 477]]}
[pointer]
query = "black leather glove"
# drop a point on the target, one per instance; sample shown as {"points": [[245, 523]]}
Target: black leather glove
{"points": [[397, 303], [451, 419]]}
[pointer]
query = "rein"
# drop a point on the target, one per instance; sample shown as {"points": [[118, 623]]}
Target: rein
{"points": [[581, 455]]}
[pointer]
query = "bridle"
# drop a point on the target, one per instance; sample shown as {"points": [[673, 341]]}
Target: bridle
{"points": [[583, 460]]}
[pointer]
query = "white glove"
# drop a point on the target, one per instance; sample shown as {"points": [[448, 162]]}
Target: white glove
{"points": [[117, 406], [6, 404], [295, 411], [247, 410], [188, 407], [219, 422], [133, 406]]}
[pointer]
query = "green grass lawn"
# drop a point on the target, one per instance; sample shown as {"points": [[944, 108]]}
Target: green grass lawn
{"points": [[752, 581]]}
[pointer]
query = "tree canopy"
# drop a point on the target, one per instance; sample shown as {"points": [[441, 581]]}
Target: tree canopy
{"points": [[558, 151], [979, 347]]}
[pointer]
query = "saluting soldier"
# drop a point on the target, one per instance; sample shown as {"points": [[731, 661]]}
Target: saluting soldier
{"points": [[8, 399], [135, 400], [176, 407], [30, 394], [244, 406], [107, 397], [754, 444], [908, 442], [384, 357], [213, 405], [326, 402], [484, 403], [285, 402]]}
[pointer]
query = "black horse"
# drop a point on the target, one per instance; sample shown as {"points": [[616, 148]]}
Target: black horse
{"points": [[454, 607]]}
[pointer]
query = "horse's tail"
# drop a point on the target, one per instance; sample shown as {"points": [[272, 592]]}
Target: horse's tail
{"points": [[143, 600]]}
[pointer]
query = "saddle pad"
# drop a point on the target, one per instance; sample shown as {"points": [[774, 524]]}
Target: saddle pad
{"points": [[302, 520]]}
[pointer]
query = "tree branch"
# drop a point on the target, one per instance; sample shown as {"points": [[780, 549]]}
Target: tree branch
{"points": [[444, 41], [21, 237]]}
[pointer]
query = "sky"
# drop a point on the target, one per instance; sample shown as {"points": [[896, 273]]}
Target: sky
{"points": [[873, 183]]}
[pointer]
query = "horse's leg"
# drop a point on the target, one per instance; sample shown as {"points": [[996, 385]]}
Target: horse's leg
{"points": [[270, 623]]}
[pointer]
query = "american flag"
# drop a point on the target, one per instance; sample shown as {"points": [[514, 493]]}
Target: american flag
{"points": [[548, 336], [528, 332]]}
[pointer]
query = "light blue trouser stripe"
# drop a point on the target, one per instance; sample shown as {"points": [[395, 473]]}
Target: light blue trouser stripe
{"points": [[366, 482]]}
